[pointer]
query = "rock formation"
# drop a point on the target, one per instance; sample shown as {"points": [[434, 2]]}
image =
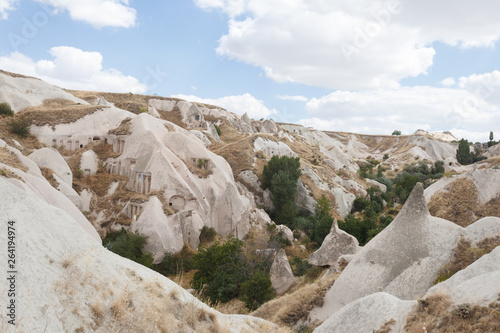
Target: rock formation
{"points": [[335, 244], [281, 273]]}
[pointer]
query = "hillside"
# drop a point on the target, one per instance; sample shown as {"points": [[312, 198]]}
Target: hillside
{"points": [[96, 165]]}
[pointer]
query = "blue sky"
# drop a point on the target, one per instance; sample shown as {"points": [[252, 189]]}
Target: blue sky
{"points": [[360, 65]]}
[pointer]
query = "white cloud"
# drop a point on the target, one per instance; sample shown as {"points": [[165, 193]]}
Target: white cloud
{"points": [[238, 104], [350, 44], [98, 13], [448, 82], [296, 98], [73, 68], [5, 6], [464, 111]]}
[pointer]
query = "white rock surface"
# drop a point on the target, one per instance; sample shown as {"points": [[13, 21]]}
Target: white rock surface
{"points": [[281, 273], [68, 281], [337, 243], [374, 183], [21, 92], [402, 260], [286, 232], [368, 314], [52, 159], [272, 148], [89, 162], [165, 234]]}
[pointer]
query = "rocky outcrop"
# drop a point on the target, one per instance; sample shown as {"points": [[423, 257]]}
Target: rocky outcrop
{"points": [[68, 281], [368, 314], [376, 184], [89, 162], [281, 273], [402, 260], [50, 158], [336, 244]]}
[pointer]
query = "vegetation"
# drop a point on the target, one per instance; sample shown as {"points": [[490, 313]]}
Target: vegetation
{"points": [[129, 245], [207, 235], [280, 176], [396, 132], [20, 127], [6, 109], [463, 152], [173, 264], [321, 221], [225, 273], [217, 128]]}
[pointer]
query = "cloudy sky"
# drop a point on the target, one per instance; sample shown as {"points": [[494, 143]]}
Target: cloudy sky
{"points": [[353, 65]]}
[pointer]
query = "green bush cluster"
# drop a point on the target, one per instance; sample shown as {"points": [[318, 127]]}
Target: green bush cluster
{"points": [[19, 126], [173, 264], [6, 109], [217, 128], [129, 245], [464, 155], [280, 176], [207, 235], [223, 273]]}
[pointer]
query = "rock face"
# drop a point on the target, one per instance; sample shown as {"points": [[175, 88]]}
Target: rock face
{"points": [[52, 159], [197, 186], [402, 260], [67, 281], [336, 244], [368, 314], [89, 162], [281, 273]]}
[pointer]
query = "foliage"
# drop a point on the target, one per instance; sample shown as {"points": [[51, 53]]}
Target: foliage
{"points": [[396, 132], [360, 204], [6, 109], [491, 136], [386, 156], [280, 176], [220, 270], [299, 266], [175, 263], [322, 220], [207, 235], [278, 240], [143, 110], [129, 245], [463, 152], [20, 127], [257, 290], [217, 128], [358, 228]]}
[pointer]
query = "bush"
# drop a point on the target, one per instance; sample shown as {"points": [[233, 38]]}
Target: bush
{"points": [[299, 266], [463, 152], [322, 220], [143, 110], [207, 235], [6, 109], [129, 245], [360, 204], [217, 129], [221, 270], [396, 132], [257, 290], [20, 127], [176, 263]]}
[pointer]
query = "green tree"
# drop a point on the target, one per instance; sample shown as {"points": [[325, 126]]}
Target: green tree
{"points": [[221, 270], [280, 176], [491, 136], [6, 109], [463, 152], [396, 132], [129, 245], [257, 290], [323, 220]]}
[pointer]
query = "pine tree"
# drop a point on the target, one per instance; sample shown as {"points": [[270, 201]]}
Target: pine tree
{"points": [[491, 136], [463, 152]]}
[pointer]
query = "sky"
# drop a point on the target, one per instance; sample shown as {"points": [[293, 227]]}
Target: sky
{"points": [[364, 66]]}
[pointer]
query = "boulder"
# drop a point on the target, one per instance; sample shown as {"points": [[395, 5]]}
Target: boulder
{"points": [[368, 314], [50, 158], [402, 260], [164, 232], [336, 244], [374, 183], [281, 273], [269, 126], [285, 231], [89, 162]]}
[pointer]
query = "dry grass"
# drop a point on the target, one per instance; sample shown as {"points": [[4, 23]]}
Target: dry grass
{"points": [[49, 175], [11, 159], [28, 144], [174, 116], [58, 111], [293, 307], [386, 328], [125, 128], [457, 203], [465, 254], [438, 315], [17, 75]]}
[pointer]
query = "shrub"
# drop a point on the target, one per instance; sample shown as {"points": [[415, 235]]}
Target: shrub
{"points": [[20, 127], [396, 132], [257, 290], [207, 235], [78, 173], [6, 109], [217, 129], [360, 204], [299, 266], [129, 245], [279, 241], [143, 110], [463, 152], [386, 156], [323, 220], [176, 263]]}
